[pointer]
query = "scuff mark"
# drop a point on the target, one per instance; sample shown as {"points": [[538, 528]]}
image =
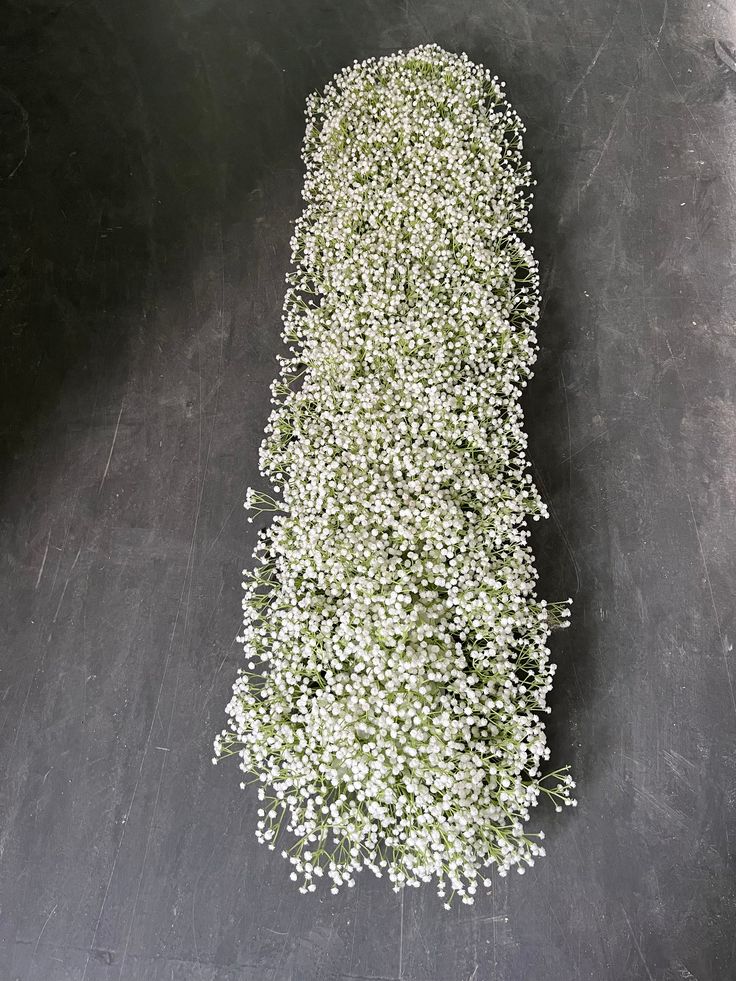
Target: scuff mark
{"points": [[724, 645], [112, 447], [46, 923], [43, 561], [607, 140], [637, 945], [723, 56], [595, 58], [658, 38], [63, 592]]}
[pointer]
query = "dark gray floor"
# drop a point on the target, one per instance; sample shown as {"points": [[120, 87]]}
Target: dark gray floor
{"points": [[151, 165]]}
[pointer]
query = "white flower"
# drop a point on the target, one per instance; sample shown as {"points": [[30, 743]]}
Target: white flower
{"points": [[398, 670]]}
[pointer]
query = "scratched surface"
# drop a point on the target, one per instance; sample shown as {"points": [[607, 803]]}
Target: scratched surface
{"points": [[151, 170]]}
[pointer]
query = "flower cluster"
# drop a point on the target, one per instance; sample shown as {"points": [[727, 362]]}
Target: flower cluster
{"points": [[398, 673]]}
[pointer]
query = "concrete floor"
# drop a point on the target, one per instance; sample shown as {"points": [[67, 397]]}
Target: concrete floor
{"points": [[151, 171]]}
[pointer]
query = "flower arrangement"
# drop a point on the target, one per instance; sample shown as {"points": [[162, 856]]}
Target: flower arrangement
{"points": [[397, 674]]}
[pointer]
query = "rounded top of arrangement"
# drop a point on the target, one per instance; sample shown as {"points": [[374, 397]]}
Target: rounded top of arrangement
{"points": [[420, 56], [426, 71], [428, 54]]}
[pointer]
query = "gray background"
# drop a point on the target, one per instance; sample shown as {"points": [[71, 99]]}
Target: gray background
{"points": [[150, 174]]}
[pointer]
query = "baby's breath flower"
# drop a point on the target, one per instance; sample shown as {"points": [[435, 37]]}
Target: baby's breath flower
{"points": [[397, 661]]}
